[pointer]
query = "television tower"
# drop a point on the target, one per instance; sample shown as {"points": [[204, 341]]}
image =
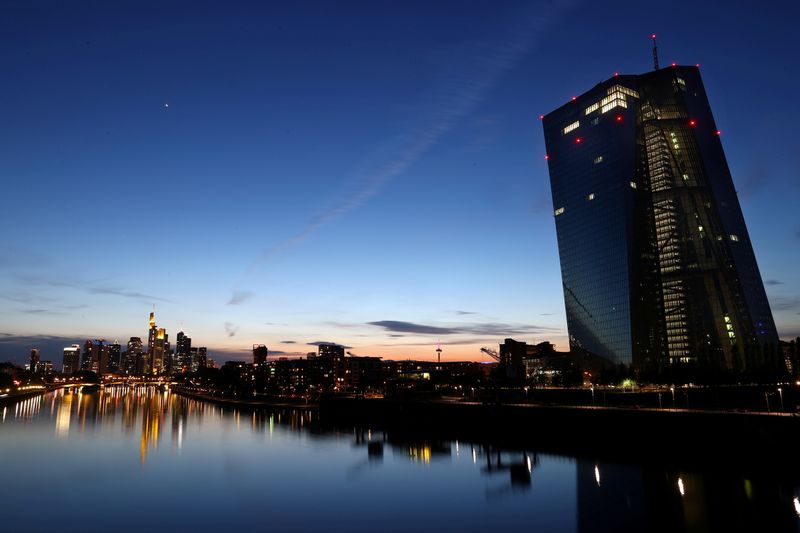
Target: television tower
{"points": [[439, 353]]}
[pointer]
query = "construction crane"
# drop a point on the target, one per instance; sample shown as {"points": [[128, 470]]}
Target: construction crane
{"points": [[491, 353]]}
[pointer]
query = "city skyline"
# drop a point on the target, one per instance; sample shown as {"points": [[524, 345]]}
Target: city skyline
{"points": [[263, 177]]}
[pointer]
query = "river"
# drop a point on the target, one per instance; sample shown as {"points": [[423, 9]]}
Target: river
{"points": [[147, 460]]}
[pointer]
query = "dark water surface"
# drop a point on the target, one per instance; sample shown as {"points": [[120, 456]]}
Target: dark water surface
{"points": [[147, 460]]}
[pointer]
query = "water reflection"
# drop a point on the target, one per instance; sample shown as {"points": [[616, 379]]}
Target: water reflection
{"points": [[294, 457]]}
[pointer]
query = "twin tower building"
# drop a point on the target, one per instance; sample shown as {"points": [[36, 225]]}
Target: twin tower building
{"points": [[656, 262]]}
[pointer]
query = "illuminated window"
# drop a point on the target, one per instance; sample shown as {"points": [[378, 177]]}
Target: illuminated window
{"points": [[682, 81], [727, 319], [686, 177], [700, 229], [571, 127], [598, 159], [623, 90], [590, 196], [559, 211], [595, 121], [734, 238], [633, 185], [616, 97]]}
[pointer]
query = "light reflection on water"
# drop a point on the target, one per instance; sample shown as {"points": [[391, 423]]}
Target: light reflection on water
{"points": [[146, 458]]}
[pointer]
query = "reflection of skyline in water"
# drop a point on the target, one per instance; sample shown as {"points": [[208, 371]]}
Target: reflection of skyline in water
{"points": [[604, 497]]}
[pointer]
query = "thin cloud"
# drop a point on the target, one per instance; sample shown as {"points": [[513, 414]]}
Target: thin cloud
{"points": [[785, 303], [239, 297], [489, 329], [116, 291], [40, 312], [773, 282], [317, 343], [89, 287], [288, 342], [231, 329], [411, 327]]}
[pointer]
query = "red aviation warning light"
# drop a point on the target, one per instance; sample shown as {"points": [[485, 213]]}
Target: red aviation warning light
{"points": [[578, 140], [692, 123], [546, 157], [541, 117], [674, 64], [574, 98], [619, 118], [719, 132]]}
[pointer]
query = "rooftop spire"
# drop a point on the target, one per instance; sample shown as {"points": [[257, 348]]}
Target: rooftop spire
{"points": [[655, 52]]}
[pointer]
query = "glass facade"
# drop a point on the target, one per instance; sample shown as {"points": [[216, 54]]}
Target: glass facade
{"points": [[645, 209]]}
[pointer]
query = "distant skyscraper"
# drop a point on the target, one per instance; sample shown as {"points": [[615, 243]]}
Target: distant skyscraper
{"points": [[183, 353], [151, 344], [114, 355], [72, 359], [88, 350], [133, 362], [95, 356], [656, 261], [34, 360], [160, 350]]}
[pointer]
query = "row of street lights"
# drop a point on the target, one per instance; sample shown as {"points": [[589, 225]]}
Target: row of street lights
{"points": [[672, 390]]}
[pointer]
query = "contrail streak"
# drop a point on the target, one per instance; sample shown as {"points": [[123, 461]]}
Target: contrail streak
{"points": [[487, 70]]}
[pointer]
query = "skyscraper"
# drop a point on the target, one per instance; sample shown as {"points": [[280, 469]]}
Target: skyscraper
{"points": [[134, 361], [160, 351], [151, 344], [34, 360], [183, 356], [72, 359], [114, 356], [656, 262]]}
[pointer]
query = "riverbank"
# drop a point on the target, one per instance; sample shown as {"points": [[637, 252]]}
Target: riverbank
{"points": [[245, 403], [12, 397], [725, 439]]}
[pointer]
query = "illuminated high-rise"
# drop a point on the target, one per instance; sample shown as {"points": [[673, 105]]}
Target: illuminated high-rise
{"points": [[72, 359], [656, 262]]}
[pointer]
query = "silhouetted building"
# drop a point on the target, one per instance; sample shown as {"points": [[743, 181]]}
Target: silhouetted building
{"points": [[152, 333], [656, 262], [512, 356], [134, 360], [34, 360], [260, 354], [72, 359], [183, 353], [114, 355], [199, 357], [44, 367]]}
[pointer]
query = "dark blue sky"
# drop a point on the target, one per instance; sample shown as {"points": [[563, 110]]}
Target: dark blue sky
{"points": [[363, 172]]}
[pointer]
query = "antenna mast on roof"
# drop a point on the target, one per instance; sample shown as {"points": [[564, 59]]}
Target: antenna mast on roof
{"points": [[655, 52]]}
